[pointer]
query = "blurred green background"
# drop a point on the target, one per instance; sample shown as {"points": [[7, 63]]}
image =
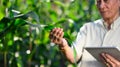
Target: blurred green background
{"points": [[25, 27]]}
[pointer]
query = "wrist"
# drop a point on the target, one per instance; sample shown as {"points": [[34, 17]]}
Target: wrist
{"points": [[63, 48], [64, 45]]}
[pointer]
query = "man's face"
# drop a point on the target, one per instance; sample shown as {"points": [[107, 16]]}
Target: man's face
{"points": [[108, 8]]}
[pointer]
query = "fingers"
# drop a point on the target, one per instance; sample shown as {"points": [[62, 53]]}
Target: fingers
{"points": [[56, 35], [104, 60], [56, 32], [109, 61], [112, 60]]}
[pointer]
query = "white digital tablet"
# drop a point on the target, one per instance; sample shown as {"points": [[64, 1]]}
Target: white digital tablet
{"points": [[96, 51]]}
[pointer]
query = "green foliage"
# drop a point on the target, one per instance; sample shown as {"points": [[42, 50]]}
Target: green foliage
{"points": [[25, 27]]}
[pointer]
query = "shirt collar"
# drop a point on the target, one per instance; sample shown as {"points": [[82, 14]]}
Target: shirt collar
{"points": [[114, 25]]}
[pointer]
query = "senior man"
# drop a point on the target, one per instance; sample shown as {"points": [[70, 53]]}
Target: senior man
{"points": [[102, 32]]}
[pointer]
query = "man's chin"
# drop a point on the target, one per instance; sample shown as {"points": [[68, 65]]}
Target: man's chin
{"points": [[106, 17]]}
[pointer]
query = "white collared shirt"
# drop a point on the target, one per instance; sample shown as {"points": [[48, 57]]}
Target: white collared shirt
{"points": [[96, 34]]}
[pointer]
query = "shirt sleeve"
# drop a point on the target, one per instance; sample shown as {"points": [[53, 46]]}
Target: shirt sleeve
{"points": [[79, 43]]}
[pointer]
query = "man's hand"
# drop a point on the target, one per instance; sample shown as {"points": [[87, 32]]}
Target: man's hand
{"points": [[56, 36], [110, 61]]}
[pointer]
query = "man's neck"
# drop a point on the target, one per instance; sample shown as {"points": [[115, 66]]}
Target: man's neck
{"points": [[109, 21]]}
